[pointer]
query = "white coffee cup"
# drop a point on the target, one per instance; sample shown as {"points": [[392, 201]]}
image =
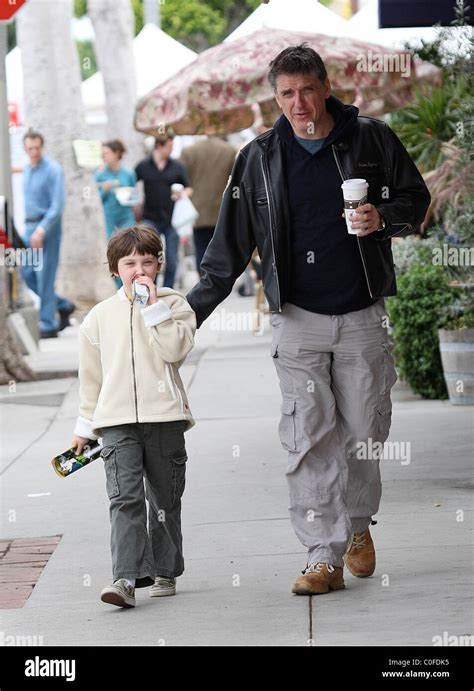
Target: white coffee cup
{"points": [[176, 187], [354, 192]]}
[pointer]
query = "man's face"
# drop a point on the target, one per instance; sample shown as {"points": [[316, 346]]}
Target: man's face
{"points": [[34, 150], [302, 98], [165, 149]]}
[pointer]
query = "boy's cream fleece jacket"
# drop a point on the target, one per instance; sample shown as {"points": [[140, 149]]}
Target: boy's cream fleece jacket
{"points": [[129, 361]]}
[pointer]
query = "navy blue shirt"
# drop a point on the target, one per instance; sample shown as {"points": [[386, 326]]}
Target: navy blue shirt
{"points": [[327, 274]]}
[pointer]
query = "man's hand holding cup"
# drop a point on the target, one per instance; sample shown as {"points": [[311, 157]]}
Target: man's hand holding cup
{"points": [[361, 217], [365, 219]]}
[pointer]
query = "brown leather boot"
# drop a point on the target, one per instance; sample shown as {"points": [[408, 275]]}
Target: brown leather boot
{"points": [[360, 557], [318, 579]]}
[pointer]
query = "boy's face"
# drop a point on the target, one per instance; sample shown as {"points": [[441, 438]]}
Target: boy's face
{"points": [[137, 264]]}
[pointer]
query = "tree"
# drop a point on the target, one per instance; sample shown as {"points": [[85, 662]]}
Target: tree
{"points": [[113, 27], [12, 366], [53, 106], [195, 23]]}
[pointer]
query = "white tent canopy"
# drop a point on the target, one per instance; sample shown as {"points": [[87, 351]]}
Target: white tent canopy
{"points": [[293, 15], [157, 57]]}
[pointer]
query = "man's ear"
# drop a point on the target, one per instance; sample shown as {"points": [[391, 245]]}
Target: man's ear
{"points": [[276, 99], [327, 88]]}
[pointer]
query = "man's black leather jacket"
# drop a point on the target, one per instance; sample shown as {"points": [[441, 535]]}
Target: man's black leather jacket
{"points": [[254, 213]]}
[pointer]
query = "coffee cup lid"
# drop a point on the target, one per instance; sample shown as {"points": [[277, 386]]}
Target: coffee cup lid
{"points": [[354, 182]]}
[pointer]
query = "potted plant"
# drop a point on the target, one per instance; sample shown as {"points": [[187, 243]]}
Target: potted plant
{"points": [[456, 345]]}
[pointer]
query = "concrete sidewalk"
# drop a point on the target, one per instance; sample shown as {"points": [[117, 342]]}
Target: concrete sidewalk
{"points": [[241, 553]]}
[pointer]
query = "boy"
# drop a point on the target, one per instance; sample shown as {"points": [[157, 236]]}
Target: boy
{"points": [[132, 396]]}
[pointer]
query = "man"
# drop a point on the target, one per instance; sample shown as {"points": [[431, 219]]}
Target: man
{"points": [[325, 290], [158, 173], [209, 163], [43, 188]]}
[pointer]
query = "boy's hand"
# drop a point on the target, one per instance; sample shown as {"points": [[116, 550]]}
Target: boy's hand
{"points": [[78, 443], [149, 283]]}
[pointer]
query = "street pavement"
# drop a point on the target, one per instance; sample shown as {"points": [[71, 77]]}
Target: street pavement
{"points": [[240, 551]]}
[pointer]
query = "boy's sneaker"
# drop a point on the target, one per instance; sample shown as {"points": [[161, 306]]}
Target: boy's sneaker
{"points": [[120, 593], [318, 579], [163, 586]]}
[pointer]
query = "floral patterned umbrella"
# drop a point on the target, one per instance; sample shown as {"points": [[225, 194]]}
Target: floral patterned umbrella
{"points": [[214, 93]]}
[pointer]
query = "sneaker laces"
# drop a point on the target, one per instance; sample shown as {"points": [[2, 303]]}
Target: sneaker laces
{"points": [[316, 568], [122, 584], [164, 581]]}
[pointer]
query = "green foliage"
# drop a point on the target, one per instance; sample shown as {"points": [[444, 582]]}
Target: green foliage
{"points": [[462, 315], [80, 8], [137, 6], [429, 121], [452, 48], [193, 23], [87, 59], [411, 250], [435, 115], [416, 312]]}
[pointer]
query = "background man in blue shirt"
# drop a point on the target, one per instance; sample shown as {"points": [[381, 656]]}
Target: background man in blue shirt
{"points": [[43, 186]]}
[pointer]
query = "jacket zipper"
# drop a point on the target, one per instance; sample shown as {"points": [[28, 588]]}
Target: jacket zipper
{"points": [[358, 240], [133, 363], [270, 217]]}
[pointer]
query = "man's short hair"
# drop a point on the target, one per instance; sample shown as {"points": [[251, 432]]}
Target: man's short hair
{"points": [[33, 134], [161, 139], [300, 59], [140, 238]]}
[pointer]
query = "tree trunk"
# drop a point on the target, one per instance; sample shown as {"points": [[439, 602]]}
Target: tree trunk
{"points": [[113, 23], [12, 366], [53, 106]]}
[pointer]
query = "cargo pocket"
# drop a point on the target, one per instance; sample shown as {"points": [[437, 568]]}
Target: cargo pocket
{"points": [[108, 454], [384, 418], [287, 428], [178, 464], [388, 378]]}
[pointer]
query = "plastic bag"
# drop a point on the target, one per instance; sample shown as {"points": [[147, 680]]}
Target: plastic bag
{"points": [[184, 213]]}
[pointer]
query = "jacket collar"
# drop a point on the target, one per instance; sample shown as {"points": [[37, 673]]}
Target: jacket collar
{"points": [[345, 117], [122, 295]]}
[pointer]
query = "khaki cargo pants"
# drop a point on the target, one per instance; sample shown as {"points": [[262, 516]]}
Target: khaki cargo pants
{"points": [[335, 373]]}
